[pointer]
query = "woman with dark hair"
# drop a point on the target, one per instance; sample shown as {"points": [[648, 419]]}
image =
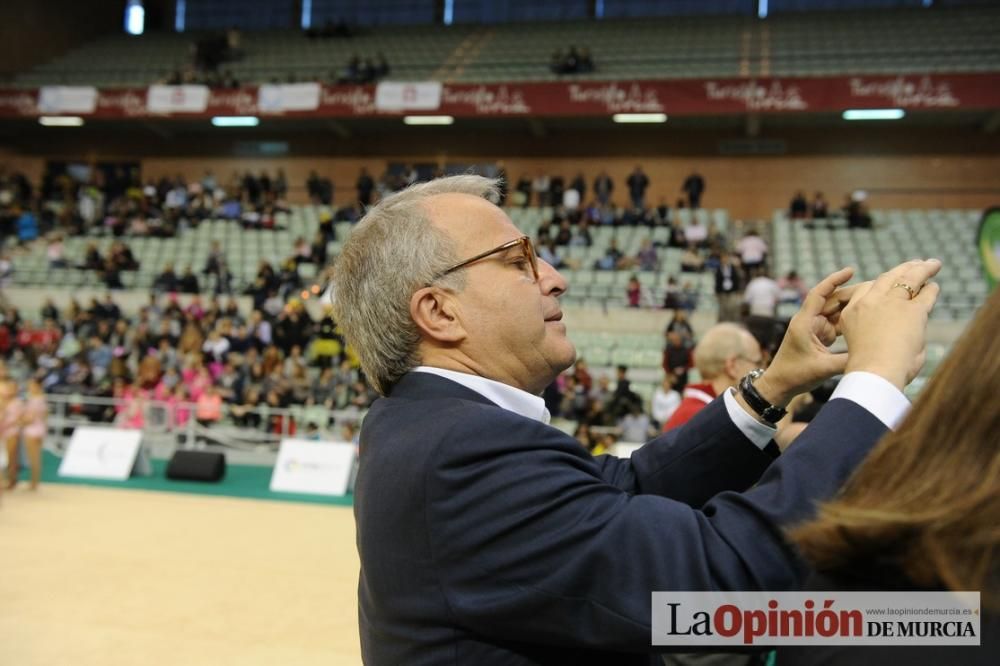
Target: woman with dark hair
{"points": [[922, 512]]}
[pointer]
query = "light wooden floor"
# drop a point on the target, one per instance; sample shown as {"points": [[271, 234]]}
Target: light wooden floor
{"points": [[107, 577]]}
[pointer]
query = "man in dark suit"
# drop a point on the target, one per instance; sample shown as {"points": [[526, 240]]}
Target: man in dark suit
{"points": [[487, 536]]}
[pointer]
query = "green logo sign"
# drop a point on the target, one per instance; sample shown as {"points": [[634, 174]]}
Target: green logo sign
{"points": [[989, 246]]}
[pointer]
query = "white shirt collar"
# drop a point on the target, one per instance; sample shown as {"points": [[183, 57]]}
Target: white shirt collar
{"points": [[506, 396]]}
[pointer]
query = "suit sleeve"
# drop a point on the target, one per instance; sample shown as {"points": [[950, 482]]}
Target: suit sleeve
{"points": [[690, 464], [529, 542]]}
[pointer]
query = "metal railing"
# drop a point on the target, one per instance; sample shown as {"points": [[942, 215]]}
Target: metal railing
{"points": [[159, 419]]}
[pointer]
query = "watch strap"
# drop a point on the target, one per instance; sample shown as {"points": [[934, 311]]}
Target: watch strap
{"points": [[766, 411]]}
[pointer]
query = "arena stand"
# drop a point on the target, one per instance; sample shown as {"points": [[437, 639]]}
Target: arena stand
{"points": [[675, 50], [792, 44]]}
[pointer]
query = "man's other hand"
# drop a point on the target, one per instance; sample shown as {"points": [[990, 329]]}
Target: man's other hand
{"points": [[804, 360], [885, 323]]}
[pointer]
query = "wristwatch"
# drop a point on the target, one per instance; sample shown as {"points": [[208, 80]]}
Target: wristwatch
{"points": [[766, 411]]}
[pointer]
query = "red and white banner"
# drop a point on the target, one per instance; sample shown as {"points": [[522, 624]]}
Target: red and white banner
{"points": [[177, 99], [582, 98], [410, 96], [279, 98], [67, 99]]}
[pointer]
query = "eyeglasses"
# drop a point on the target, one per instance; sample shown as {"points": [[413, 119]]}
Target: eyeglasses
{"points": [[524, 243]]}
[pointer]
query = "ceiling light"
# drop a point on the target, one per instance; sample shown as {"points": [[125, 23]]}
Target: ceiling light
{"points": [[874, 114], [639, 117], [428, 120], [61, 121], [235, 121]]}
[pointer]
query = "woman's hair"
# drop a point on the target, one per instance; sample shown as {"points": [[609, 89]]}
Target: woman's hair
{"points": [[927, 498]]}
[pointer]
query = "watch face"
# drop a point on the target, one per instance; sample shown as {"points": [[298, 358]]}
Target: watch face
{"points": [[773, 414]]}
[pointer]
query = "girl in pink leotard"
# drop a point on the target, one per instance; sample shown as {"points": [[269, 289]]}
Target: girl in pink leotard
{"points": [[10, 427], [35, 427]]}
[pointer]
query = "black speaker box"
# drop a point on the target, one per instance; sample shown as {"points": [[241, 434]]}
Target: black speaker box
{"points": [[196, 466]]}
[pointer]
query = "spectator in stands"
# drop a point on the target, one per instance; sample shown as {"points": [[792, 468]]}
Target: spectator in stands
{"points": [[167, 280], [612, 257], [752, 250], [55, 251], [798, 209], [635, 425], [694, 187], [557, 185], [189, 281], [819, 210], [540, 187], [365, 186], [691, 260], [857, 212], [633, 292], [646, 257], [603, 187], [677, 357], [582, 237], [523, 191], [573, 61], [762, 294], [6, 270], [672, 298], [728, 287], [208, 406], [665, 401], [679, 323], [696, 233], [565, 234], [623, 397], [638, 183], [92, 259], [793, 288], [548, 252], [579, 183], [725, 354]]}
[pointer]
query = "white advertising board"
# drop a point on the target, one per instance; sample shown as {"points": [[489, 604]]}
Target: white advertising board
{"points": [[275, 98], [415, 96], [67, 99], [177, 99], [315, 468], [101, 453]]}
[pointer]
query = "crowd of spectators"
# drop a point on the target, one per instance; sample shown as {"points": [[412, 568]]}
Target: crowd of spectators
{"points": [[207, 53], [854, 210], [192, 75], [545, 189], [572, 61], [367, 70], [604, 412], [116, 201], [330, 29], [176, 359]]}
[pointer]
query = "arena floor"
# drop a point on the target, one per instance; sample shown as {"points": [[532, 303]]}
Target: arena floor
{"points": [[105, 577]]}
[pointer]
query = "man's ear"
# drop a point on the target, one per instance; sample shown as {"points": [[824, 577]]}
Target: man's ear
{"points": [[730, 368], [435, 312]]}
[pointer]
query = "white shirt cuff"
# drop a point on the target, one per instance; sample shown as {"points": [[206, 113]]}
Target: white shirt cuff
{"points": [[876, 394], [754, 430]]}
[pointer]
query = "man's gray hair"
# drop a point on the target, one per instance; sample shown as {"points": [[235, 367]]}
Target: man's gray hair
{"points": [[392, 252]]}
